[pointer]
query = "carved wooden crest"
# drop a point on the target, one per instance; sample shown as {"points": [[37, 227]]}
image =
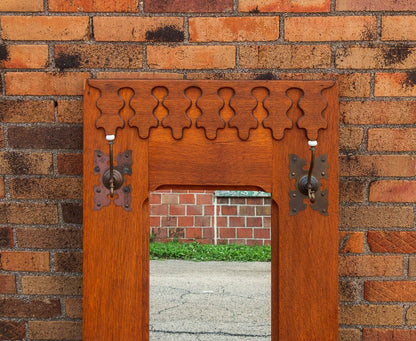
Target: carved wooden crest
{"points": [[241, 100]]}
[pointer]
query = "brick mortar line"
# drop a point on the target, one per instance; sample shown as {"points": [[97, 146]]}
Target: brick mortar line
{"points": [[139, 14]]}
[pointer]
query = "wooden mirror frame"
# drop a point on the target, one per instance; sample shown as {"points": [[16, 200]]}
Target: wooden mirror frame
{"points": [[209, 135]]}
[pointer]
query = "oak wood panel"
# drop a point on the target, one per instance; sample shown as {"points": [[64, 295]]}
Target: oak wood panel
{"points": [[115, 283], [304, 246]]}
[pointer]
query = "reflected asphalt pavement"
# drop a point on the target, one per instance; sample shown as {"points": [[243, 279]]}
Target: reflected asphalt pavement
{"points": [[209, 301]]}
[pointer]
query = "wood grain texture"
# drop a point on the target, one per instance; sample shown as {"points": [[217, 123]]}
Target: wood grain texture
{"points": [[198, 150]]}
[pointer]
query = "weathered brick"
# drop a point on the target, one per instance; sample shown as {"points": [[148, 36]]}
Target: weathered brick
{"points": [[393, 191], [73, 307], [412, 267], [204, 199], [349, 335], [49, 238], [229, 210], [395, 84], [44, 28], [24, 261], [98, 56], [7, 284], [236, 222], [176, 232], [194, 209], [390, 291], [1, 137], [229, 76], [227, 232], [53, 137], [351, 242], [399, 27], [45, 83], [25, 163], [378, 112], [386, 216], [233, 29], [72, 213], [348, 291], [377, 165], [33, 308], [70, 111], [193, 233], [176, 210], [70, 164], [46, 188], [386, 57], [255, 6], [191, 57], [25, 57], [202, 221], [21, 6], [371, 5], [370, 314], [93, 6], [285, 56], [1, 187], [188, 6], [28, 111], [350, 138], [24, 213], [6, 237], [392, 139], [411, 316], [161, 29], [392, 241], [139, 75], [245, 233], [370, 266], [351, 191], [55, 330], [351, 84], [51, 285], [10, 330], [330, 28], [389, 334], [68, 261]]}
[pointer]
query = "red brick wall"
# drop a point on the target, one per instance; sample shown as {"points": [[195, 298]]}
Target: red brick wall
{"points": [[49, 47], [206, 218]]}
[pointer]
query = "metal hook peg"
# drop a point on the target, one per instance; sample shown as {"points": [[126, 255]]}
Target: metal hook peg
{"points": [[110, 140], [309, 186]]}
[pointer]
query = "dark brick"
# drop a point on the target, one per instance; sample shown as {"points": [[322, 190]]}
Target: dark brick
{"points": [[36, 308], [25, 163], [351, 191], [68, 261], [1, 137], [348, 290], [72, 213], [70, 164], [55, 137], [6, 237], [99, 56], [46, 188], [177, 232], [188, 5], [49, 238], [18, 111], [12, 330], [25, 213]]}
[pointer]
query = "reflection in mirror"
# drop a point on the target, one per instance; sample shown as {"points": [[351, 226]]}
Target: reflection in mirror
{"points": [[210, 300]]}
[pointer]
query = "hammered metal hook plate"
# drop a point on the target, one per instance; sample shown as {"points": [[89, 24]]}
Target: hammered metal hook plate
{"points": [[122, 193], [298, 196]]}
